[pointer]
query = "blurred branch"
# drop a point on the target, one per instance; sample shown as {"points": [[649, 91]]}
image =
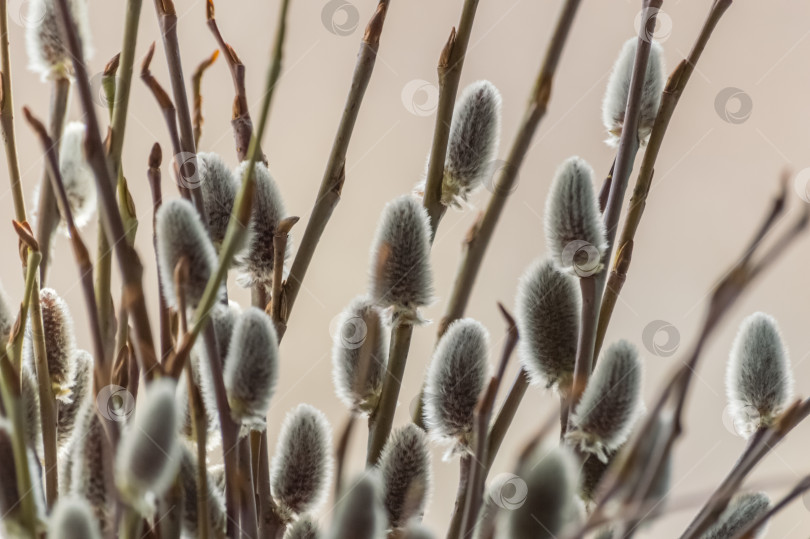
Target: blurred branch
{"points": [[7, 118]]}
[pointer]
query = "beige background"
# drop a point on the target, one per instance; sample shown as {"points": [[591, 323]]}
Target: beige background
{"points": [[714, 180]]}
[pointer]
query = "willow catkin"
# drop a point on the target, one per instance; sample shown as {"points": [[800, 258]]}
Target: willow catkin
{"points": [[67, 412], [417, 530], [406, 475], [149, 451], [60, 343], [72, 518], [593, 470], [90, 470], [9, 493], [190, 488], [575, 233], [302, 464], [251, 368], [759, 381], [618, 91], [256, 262], [360, 356], [455, 380], [610, 404], [305, 527], [77, 175], [7, 315], [742, 510], [218, 187], [401, 276], [32, 414], [180, 233], [359, 512], [46, 43], [547, 313]]}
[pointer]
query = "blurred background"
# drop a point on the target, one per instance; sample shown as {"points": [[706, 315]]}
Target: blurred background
{"points": [[740, 124]]}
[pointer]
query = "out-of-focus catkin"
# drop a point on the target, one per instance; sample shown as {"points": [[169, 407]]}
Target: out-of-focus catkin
{"points": [[77, 175], [359, 513], [46, 43], [742, 510], [72, 518]]}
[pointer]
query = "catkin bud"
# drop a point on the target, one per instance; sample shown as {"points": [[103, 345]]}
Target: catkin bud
{"points": [[90, 470], [67, 412], [77, 175], [575, 233], [593, 470], [29, 398], [400, 258], [547, 310], [473, 142], [759, 381], [251, 368], [742, 510], [455, 380], [149, 452], [303, 528], [60, 343], [218, 192], [359, 356], [550, 478], [72, 518], [46, 43], [190, 487], [359, 513], [618, 91], [610, 404], [7, 315], [406, 475], [180, 233], [256, 262], [302, 464]]}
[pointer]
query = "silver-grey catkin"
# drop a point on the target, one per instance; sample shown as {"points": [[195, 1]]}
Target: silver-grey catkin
{"points": [[593, 470], [547, 312], [8, 315], [190, 487], [90, 469], [550, 478], [60, 343], [218, 187], [251, 368], [67, 412], [29, 398], [360, 355], [149, 451], [305, 527], [181, 233], [473, 142], [575, 233], [406, 474], [618, 91], [359, 513], [610, 404], [742, 510], [9, 493], [759, 381], [401, 276], [77, 175], [256, 262], [456, 376], [72, 518], [46, 43], [302, 464], [417, 530]]}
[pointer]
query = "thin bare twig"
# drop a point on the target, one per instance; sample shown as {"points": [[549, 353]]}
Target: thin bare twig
{"points": [[196, 92], [277, 308], [154, 176], [7, 117]]}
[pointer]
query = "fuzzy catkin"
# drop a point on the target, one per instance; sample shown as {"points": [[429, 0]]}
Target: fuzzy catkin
{"points": [[7, 315], [359, 513], [77, 175], [90, 469], [618, 90], [251, 368], [401, 276], [455, 379], [605, 414], [190, 488], [575, 233], [46, 43], [181, 233], [759, 381], [473, 142], [417, 530], [302, 464], [72, 518], [149, 451], [218, 187], [406, 475], [60, 343], [68, 412], [360, 356], [741, 511], [304, 528], [256, 262], [29, 399], [547, 313]]}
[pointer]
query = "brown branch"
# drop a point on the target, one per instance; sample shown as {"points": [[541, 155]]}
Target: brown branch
{"points": [[340, 453], [7, 119], [154, 176], [196, 92], [277, 307]]}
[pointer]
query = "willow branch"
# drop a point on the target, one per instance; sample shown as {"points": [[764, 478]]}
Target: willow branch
{"points": [[7, 118], [277, 307], [154, 176], [505, 415], [196, 92]]}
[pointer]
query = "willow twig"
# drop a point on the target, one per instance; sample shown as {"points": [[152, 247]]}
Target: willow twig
{"points": [[340, 453], [154, 176], [505, 415], [7, 118], [465, 463], [196, 92], [277, 307]]}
